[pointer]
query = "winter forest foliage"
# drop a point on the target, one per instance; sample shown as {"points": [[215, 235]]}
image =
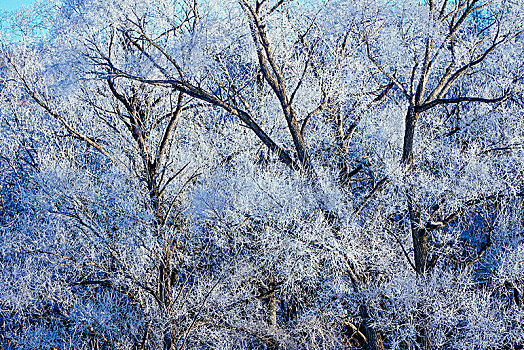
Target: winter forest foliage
{"points": [[262, 174]]}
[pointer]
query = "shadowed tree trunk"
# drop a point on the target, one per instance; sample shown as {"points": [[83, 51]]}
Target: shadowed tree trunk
{"points": [[373, 337]]}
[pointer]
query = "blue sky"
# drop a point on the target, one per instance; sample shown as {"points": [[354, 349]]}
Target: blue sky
{"points": [[13, 4]]}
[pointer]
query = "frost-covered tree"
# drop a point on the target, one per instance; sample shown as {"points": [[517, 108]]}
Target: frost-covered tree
{"points": [[108, 180], [453, 65], [262, 174]]}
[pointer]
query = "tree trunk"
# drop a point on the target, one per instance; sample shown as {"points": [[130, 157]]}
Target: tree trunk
{"points": [[420, 240], [271, 309], [418, 232], [374, 338], [164, 296], [409, 133], [298, 139]]}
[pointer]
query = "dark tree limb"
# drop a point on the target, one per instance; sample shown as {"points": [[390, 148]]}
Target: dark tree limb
{"points": [[442, 101]]}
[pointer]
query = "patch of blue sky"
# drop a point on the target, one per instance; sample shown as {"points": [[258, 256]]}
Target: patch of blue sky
{"points": [[11, 5]]}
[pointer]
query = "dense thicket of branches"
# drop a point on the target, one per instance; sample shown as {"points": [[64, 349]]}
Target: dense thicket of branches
{"points": [[262, 174]]}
